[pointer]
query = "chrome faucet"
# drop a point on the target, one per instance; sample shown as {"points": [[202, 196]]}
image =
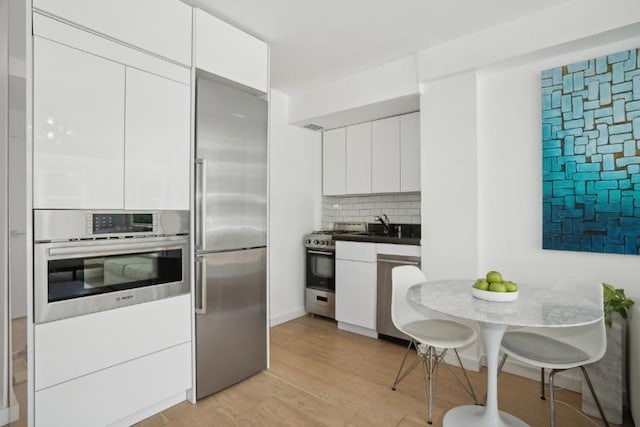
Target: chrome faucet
{"points": [[384, 220]]}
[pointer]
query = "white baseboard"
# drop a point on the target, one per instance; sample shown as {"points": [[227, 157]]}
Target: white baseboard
{"points": [[10, 413], [152, 410], [358, 330], [570, 379], [282, 318]]}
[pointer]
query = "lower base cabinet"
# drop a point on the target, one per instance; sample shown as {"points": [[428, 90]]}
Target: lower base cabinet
{"points": [[108, 396], [113, 367]]}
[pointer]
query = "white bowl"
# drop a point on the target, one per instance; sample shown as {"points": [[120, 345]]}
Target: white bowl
{"points": [[494, 296]]}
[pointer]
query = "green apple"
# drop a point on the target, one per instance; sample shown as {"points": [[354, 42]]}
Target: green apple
{"points": [[497, 287], [511, 286], [481, 284], [494, 277]]}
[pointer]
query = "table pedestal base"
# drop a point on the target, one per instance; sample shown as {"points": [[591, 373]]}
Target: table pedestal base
{"points": [[474, 415]]}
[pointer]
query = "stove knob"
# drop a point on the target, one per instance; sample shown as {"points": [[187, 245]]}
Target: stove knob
{"points": [[307, 241], [315, 242]]}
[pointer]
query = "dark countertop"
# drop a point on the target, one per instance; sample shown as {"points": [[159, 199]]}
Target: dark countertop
{"points": [[376, 238]]}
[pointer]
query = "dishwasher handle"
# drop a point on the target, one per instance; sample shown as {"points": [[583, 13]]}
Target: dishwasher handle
{"points": [[399, 261]]}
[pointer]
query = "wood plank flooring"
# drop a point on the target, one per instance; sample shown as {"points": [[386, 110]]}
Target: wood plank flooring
{"points": [[321, 376]]}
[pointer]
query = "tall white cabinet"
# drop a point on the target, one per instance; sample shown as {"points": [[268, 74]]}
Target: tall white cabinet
{"points": [[78, 122], [111, 124], [156, 161], [410, 152]]}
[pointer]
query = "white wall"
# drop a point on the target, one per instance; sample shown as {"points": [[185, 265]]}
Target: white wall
{"points": [[506, 162], [510, 181], [295, 208], [449, 173]]}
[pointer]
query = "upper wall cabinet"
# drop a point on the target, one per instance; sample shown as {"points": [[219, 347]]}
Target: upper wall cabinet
{"points": [[78, 134], [225, 51], [410, 152], [159, 26], [382, 156], [385, 155], [358, 161], [333, 162]]}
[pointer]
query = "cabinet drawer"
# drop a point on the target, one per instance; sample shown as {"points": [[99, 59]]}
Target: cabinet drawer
{"points": [[70, 348], [356, 251], [107, 396], [402, 250]]}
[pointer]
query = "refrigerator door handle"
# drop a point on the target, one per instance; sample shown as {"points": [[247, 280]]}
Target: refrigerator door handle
{"points": [[201, 281], [201, 191]]}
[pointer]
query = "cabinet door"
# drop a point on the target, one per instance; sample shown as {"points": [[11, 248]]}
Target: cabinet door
{"points": [[358, 161], [78, 138], [356, 293], [385, 155], [228, 52], [333, 162], [157, 142], [410, 152]]}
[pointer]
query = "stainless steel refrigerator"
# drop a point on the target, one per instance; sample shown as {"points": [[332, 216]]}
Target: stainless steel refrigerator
{"points": [[231, 230]]}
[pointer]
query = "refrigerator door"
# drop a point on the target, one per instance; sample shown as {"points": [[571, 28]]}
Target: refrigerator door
{"points": [[231, 168], [231, 329]]}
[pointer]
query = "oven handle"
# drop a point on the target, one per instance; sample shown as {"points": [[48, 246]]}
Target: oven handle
{"points": [[201, 295], [118, 248], [320, 252]]}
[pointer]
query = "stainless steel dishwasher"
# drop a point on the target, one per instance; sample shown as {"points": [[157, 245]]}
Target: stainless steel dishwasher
{"points": [[384, 324]]}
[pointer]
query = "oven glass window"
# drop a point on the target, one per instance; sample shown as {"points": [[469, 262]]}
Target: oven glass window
{"points": [[80, 277], [321, 271]]}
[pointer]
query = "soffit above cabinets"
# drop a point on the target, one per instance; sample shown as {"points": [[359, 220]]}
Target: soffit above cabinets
{"points": [[365, 113]]}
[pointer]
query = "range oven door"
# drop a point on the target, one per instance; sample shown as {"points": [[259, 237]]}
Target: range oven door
{"points": [[81, 277], [321, 270]]}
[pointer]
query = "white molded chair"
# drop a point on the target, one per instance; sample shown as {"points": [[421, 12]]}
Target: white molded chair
{"points": [[427, 334], [558, 349]]}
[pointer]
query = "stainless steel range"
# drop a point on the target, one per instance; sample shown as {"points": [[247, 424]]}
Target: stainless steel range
{"points": [[320, 260]]}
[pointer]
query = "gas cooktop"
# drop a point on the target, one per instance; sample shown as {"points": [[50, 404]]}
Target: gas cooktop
{"points": [[323, 239]]}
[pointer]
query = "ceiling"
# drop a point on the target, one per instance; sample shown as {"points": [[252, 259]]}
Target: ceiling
{"points": [[316, 42]]}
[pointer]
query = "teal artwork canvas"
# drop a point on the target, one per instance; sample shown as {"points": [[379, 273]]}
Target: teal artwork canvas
{"points": [[591, 155]]}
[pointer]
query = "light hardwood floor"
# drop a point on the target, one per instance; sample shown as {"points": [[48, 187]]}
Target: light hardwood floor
{"points": [[321, 376]]}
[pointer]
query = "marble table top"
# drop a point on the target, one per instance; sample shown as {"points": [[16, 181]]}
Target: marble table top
{"points": [[535, 307]]}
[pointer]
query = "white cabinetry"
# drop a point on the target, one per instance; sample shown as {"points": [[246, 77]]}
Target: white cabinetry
{"points": [[333, 162], [102, 367], [358, 158], [385, 155], [227, 52], [107, 135], [410, 152], [159, 26], [382, 156], [356, 288], [356, 283], [156, 150], [78, 121]]}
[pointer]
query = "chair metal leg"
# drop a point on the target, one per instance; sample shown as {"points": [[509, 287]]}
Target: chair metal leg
{"points": [[401, 374], [552, 406], [593, 393], [432, 365], [542, 384]]}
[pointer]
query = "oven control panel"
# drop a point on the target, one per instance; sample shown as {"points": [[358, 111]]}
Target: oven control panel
{"points": [[110, 223]]}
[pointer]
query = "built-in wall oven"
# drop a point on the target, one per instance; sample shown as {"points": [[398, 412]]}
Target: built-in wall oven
{"points": [[89, 261]]}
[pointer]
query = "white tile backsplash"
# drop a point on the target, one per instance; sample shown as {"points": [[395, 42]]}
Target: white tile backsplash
{"points": [[400, 208]]}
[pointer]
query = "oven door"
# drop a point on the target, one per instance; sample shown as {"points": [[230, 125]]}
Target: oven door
{"points": [[321, 270], [81, 277]]}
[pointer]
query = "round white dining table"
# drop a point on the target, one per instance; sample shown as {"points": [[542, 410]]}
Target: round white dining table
{"points": [[535, 307]]}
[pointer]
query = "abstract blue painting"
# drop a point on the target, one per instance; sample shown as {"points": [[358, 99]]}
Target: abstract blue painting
{"points": [[591, 155]]}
